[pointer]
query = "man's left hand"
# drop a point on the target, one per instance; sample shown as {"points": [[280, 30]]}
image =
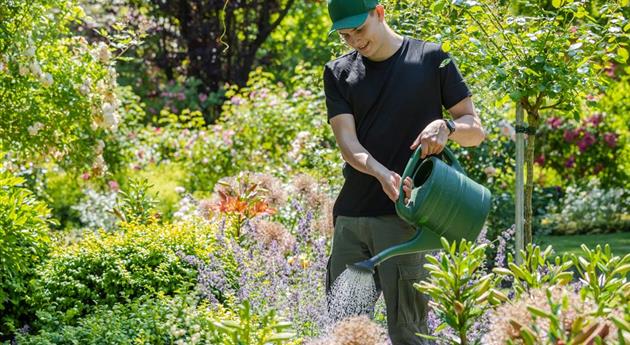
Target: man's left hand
{"points": [[432, 138]]}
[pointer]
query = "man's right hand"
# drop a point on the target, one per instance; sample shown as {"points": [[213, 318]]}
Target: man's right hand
{"points": [[390, 181]]}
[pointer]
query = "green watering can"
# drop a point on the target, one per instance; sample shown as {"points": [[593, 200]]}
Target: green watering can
{"points": [[444, 203]]}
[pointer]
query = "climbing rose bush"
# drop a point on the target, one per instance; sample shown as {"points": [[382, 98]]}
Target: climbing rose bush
{"points": [[58, 90]]}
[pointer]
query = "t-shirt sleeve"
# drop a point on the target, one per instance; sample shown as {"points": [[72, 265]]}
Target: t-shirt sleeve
{"points": [[453, 88], [335, 102]]}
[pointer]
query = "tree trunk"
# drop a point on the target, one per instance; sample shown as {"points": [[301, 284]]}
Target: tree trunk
{"points": [[533, 121]]}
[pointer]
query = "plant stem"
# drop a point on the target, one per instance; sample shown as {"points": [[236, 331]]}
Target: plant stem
{"points": [[533, 121]]}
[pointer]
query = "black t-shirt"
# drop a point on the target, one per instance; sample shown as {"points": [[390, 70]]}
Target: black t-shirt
{"points": [[392, 101]]}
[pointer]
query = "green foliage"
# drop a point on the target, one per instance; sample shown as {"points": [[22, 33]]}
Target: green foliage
{"points": [[588, 209], [249, 329], [281, 131], [162, 320], [287, 47], [24, 243], [543, 308], [262, 126], [536, 270], [579, 150], [459, 288], [108, 268], [605, 276], [135, 205], [57, 95]]}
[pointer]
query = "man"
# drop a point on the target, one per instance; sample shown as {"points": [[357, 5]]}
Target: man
{"points": [[384, 99]]}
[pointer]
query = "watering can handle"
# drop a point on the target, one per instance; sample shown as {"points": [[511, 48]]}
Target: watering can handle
{"points": [[413, 163]]}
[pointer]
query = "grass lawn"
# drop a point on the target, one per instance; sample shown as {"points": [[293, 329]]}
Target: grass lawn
{"points": [[619, 242]]}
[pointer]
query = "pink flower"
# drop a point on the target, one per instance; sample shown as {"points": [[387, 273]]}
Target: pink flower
{"points": [[227, 137], [610, 70], [570, 135], [610, 139], [595, 119], [203, 97], [586, 141], [236, 100], [181, 96], [570, 162], [554, 122], [490, 171], [85, 176], [540, 160], [114, 185], [157, 130]]}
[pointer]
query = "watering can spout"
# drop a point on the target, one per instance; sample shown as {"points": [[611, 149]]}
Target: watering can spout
{"points": [[444, 203], [424, 240]]}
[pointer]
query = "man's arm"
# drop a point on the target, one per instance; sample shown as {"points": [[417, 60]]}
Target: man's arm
{"points": [[468, 130], [358, 157]]}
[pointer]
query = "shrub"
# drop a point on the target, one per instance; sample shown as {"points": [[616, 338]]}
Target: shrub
{"points": [[181, 319], [589, 209], [23, 245], [538, 303], [58, 95], [108, 268]]}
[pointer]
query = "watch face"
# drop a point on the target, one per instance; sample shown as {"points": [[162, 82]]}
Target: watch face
{"points": [[451, 126]]}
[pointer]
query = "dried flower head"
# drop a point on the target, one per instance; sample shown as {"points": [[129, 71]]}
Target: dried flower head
{"points": [[269, 232], [271, 189], [359, 330], [304, 184], [508, 319], [324, 221]]}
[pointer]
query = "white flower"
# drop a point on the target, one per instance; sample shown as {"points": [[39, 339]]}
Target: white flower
{"points": [[507, 129], [180, 189], [30, 51], [100, 145], [34, 129], [35, 68], [84, 89], [46, 79], [103, 52], [110, 118], [23, 70]]}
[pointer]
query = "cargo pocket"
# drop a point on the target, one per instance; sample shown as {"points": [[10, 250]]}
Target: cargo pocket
{"points": [[411, 303]]}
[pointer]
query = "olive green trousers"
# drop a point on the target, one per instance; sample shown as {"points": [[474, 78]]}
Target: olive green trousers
{"points": [[358, 238]]}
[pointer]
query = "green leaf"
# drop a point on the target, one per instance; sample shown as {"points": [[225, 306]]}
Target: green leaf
{"points": [[623, 54], [556, 3], [445, 62], [539, 312], [446, 47]]}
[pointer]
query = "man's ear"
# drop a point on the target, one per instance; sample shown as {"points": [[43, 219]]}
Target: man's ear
{"points": [[379, 10]]}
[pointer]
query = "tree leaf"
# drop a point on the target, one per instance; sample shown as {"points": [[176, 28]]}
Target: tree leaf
{"points": [[556, 3], [445, 62], [623, 53]]}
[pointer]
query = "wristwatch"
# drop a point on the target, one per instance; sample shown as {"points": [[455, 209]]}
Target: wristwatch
{"points": [[450, 124]]}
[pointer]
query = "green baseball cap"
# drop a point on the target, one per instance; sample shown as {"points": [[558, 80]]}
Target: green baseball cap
{"points": [[349, 14]]}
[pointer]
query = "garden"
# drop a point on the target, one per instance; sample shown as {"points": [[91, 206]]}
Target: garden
{"points": [[168, 173]]}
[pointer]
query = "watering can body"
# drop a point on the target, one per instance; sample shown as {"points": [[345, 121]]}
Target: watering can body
{"points": [[444, 203]]}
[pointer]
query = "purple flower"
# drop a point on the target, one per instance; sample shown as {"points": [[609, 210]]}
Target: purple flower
{"points": [[595, 119], [554, 122], [610, 139], [540, 160], [570, 135], [586, 141], [570, 162], [203, 97]]}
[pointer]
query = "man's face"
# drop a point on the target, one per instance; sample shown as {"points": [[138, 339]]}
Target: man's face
{"points": [[363, 38]]}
